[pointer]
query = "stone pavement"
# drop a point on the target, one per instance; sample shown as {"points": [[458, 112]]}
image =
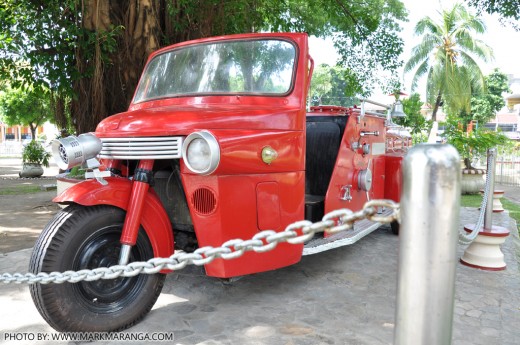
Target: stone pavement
{"points": [[510, 192], [343, 296]]}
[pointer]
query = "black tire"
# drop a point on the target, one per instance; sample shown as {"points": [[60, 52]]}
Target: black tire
{"points": [[80, 237], [395, 226]]}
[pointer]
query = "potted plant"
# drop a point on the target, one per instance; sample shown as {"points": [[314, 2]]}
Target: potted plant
{"points": [[69, 178], [33, 157], [471, 144]]}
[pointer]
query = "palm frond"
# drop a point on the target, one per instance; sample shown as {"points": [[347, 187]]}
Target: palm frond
{"points": [[422, 51], [427, 24], [419, 73], [447, 55]]}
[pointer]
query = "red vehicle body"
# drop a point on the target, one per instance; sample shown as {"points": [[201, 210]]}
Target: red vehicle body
{"points": [[264, 162]]}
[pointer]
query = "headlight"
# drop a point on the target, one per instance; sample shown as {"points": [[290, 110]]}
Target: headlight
{"points": [[201, 152], [71, 151]]}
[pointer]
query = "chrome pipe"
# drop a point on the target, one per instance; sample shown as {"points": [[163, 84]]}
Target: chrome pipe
{"points": [[386, 106], [430, 204], [491, 165], [124, 254]]}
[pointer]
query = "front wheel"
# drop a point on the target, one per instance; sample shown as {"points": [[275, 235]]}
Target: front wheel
{"points": [[80, 237]]}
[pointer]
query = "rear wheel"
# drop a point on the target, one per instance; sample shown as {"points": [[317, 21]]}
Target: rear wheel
{"points": [[395, 227], [80, 237]]}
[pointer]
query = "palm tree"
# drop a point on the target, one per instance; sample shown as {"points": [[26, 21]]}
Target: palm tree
{"points": [[446, 55]]}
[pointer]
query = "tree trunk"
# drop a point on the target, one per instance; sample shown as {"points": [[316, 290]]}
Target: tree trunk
{"points": [[467, 164], [437, 105], [89, 107], [33, 131], [58, 105], [110, 76]]}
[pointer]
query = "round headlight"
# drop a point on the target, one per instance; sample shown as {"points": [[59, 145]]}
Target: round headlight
{"points": [[201, 152]]}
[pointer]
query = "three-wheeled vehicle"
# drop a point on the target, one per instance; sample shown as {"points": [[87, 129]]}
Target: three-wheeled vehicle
{"points": [[217, 144]]}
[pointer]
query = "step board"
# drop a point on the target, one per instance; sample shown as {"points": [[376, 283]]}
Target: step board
{"points": [[361, 229]]}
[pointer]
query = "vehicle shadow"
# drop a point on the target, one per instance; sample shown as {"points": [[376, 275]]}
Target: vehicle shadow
{"points": [[340, 290]]}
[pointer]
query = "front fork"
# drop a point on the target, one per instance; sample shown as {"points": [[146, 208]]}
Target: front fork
{"points": [[142, 179]]}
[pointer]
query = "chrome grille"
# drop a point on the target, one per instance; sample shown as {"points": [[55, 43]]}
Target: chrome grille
{"points": [[141, 148]]}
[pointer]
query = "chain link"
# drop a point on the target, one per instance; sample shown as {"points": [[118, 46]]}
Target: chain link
{"points": [[467, 238], [295, 233]]}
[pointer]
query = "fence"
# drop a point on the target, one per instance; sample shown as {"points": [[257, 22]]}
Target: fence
{"points": [[11, 148], [507, 169]]}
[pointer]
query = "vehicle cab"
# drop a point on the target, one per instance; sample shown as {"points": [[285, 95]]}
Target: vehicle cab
{"points": [[217, 144]]}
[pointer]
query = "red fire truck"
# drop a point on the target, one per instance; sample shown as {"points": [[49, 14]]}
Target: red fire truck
{"points": [[217, 144]]}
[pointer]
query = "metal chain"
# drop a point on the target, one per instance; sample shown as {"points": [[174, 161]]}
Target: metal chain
{"points": [[467, 238], [295, 233]]}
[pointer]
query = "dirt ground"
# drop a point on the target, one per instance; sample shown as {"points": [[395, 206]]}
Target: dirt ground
{"points": [[19, 202]]}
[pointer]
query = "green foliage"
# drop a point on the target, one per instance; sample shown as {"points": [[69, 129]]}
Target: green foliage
{"points": [[446, 56], [485, 105], [414, 119], [37, 47], [512, 149], [29, 107], [475, 143], [77, 173], [508, 10], [368, 40], [91, 52], [39, 42], [35, 153], [329, 85], [419, 137]]}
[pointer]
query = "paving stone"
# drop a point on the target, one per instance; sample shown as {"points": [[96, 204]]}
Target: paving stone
{"points": [[490, 301], [344, 296], [491, 316], [459, 311], [474, 313], [470, 321], [491, 324]]}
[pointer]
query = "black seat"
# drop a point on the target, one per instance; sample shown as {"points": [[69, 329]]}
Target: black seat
{"points": [[324, 135], [323, 141]]}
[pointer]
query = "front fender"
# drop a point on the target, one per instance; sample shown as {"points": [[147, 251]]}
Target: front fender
{"points": [[117, 193]]}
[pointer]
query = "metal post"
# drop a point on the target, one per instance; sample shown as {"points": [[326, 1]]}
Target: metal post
{"points": [[491, 161], [502, 162], [430, 204]]}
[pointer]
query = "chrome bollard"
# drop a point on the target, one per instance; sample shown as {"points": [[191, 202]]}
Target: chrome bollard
{"points": [[430, 205], [484, 251], [491, 167]]}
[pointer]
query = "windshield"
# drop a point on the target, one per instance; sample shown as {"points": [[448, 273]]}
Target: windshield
{"points": [[238, 67]]}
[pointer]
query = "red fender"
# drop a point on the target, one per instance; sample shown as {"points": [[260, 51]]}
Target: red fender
{"points": [[154, 219]]}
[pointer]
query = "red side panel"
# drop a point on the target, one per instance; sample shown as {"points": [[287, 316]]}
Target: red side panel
{"points": [[378, 177], [393, 177], [268, 205], [235, 215], [154, 219], [351, 161]]}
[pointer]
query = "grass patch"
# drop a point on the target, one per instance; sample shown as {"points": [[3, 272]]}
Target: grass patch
{"points": [[470, 200], [474, 200], [20, 190], [514, 211]]}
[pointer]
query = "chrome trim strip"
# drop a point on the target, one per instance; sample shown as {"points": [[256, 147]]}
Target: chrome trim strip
{"points": [[361, 229], [142, 148]]}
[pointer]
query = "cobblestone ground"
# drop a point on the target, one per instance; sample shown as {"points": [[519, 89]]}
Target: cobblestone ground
{"points": [[343, 296]]}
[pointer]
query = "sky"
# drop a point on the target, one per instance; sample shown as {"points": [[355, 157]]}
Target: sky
{"points": [[504, 41]]}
